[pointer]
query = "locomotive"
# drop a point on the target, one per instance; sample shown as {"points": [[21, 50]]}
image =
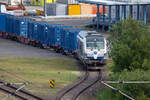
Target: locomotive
{"points": [[92, 48]]}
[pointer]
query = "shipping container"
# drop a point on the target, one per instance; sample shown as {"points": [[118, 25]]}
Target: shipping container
{"points": [[54, 34], [15, 2], [67, 1], [74, 9], [3, 21], [40, 32], [70, 39], [33, 29], [86, 9], [94, 11], [10, 24], [2, 8], [50, 32], [43, 33], [50, 1], [54, 9], [72, 46], [22, 26]]}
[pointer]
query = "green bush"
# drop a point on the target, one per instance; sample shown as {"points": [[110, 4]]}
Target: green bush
{"points": [[130, 52], [129, 45]]}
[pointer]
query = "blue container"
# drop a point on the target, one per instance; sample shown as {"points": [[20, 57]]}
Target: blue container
{"points": [[54, 34], [50, 31], [30, 30], [22, 29], [41, 37], [44, 34], [69, 43], [63, 36], [3, 20], [72, 46], [10, 24], [33, 29]]}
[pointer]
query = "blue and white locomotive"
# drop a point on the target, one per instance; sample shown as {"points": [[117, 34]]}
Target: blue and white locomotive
{"points": [[92, 47]]}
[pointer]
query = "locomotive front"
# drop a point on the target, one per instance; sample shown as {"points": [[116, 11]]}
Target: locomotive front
{"points": [[95, 49]]}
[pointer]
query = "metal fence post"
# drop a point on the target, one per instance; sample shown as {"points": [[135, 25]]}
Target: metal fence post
{"points": [[103, 25], [145, 13], [138, 12], [109, 16], [98, 17], [131, 10], [123, 12]]}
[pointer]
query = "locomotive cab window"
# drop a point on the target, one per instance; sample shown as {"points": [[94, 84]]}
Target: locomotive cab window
{"points": [[94, 42]]}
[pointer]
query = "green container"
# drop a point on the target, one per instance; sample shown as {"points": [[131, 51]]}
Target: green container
{"points": [[41, 2], [38, 2]]}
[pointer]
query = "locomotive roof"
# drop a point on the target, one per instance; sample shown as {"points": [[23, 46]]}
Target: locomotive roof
{"points": [[84, 34]]}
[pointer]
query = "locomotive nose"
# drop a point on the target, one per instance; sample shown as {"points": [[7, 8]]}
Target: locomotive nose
{"points": [[95, 54]]}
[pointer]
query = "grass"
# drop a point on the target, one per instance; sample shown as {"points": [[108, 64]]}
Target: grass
{"points": [[3, 95], [38, 72], [109, 66]]}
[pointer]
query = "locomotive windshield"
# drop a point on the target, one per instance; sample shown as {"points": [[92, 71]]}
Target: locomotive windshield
{"points": [[95, 42]]}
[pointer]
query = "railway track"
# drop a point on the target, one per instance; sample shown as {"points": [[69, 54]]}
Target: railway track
{"points": [[75, 91], [17, 92]]}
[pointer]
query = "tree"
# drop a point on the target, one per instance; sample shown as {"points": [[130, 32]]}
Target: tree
{"points": [[129, 43]]}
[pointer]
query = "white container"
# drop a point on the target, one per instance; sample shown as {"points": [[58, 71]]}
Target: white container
{"points": [[2, 9], [15, 2], [54, 9]]}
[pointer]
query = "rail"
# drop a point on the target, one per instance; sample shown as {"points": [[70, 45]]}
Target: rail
{"points": [[98, 78], [79, 85], [14, 91], [74, 86]]}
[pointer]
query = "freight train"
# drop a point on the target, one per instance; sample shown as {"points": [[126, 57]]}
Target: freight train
{"points": [[88, 46]]}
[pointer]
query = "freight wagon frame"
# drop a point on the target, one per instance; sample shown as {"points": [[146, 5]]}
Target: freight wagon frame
{"points": [[122, 11]]}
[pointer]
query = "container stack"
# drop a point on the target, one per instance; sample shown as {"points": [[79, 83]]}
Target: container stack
{"points": [[62, 7], [68, 7]]}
